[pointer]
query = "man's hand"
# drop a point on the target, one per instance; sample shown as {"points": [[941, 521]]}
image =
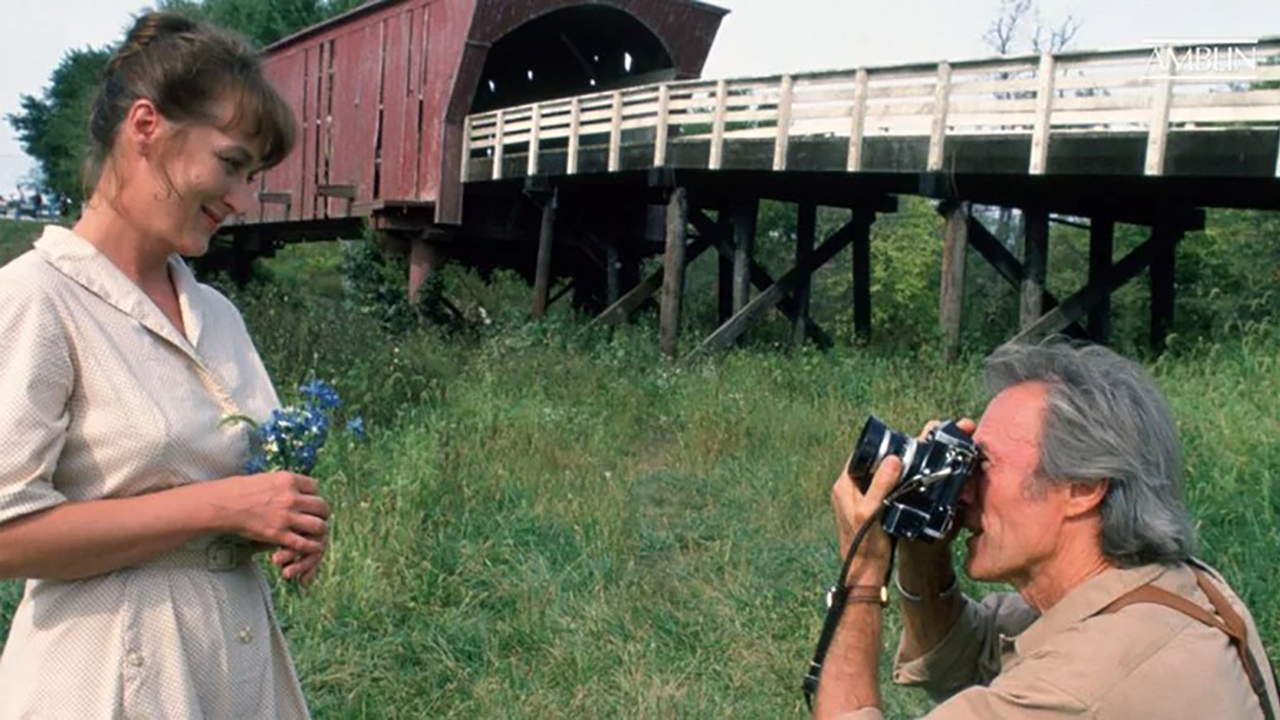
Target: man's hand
{"points": [[853, 509]]}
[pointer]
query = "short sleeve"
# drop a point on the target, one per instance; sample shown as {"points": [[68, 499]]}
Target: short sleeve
{"points": [[36, 379], [1019, 695], [970, 653]]}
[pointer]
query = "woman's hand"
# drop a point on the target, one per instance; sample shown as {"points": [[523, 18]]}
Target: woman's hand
{"points": [[281, 509]]}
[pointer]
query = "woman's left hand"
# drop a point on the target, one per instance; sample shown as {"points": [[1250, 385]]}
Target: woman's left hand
{"points": [[299, 567]]}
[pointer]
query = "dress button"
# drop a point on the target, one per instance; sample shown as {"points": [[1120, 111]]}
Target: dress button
{"points": [[245, 635], [134, 658]]}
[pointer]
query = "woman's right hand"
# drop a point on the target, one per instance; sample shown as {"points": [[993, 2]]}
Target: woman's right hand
{"points": [[282, 509]]}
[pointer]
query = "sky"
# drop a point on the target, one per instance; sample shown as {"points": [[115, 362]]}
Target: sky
{"points": [[759, 37]]}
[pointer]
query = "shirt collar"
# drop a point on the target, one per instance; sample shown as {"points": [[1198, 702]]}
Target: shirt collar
{"points": [[1084, 602], [81, 262]]}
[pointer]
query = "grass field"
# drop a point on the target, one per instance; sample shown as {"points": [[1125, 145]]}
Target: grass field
{"points": [[548, 522]]}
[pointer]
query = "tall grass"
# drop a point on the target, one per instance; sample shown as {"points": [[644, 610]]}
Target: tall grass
{"points": [[553, 522]]}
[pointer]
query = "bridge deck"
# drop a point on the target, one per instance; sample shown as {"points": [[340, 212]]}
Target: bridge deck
{"points": [[1113, 113]]}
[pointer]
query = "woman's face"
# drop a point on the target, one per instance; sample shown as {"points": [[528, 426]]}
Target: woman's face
{"points": [[198, 176]]}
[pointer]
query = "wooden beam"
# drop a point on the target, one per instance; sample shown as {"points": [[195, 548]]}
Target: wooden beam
{"points": [[862, 221], [1081, 301], [663, 129], [744, 239], [858, 121], [542, 273], [612, 265], [631, 300], [1035, 255], [499, 146], [1158, 128], [1008, 266], [615, 134], [955, 241], [535, 141], [575, 125], [724, 262], [1101, 247], [1162, 284], [673, 268], [938, 132], [782, 140], [760, 278], [765, 301], [806, 224], [1044, 114], [716, 157]]}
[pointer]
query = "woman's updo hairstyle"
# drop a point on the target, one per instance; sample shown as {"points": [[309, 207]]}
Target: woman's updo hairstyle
{"points": [[187, 70]]}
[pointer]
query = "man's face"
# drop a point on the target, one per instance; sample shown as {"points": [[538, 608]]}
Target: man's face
{"points": [[1014, 529]]}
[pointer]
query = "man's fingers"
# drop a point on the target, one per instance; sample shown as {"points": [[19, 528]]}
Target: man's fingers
{"points": [[967, 425], [885, 478]]}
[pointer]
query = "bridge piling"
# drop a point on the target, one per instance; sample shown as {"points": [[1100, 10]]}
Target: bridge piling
{"points": [[955, 242], [673, 271]]}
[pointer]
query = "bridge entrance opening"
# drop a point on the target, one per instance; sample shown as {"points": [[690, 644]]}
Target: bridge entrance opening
{"points": [[572, 51]]}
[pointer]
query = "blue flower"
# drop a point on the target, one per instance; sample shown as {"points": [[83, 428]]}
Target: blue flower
{"points": [[323, 394], [355, 426]]}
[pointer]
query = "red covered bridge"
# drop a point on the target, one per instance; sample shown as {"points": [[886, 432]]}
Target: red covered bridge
{"points": [[553, 137]]}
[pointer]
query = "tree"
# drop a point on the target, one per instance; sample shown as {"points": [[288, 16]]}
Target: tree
{"points": [[54, 128]]}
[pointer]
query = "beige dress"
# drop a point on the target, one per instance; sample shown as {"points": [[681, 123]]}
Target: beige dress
{"points": [[100, 397]]}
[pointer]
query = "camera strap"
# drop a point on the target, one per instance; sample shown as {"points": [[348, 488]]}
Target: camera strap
{"points": [[837, 599]]}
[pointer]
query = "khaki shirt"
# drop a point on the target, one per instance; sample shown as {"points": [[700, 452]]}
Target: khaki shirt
{"points": [[1145, 661], [102, 397]]}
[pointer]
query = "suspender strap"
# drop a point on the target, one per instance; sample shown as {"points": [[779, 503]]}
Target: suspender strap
{"points": [[1227, 620]]}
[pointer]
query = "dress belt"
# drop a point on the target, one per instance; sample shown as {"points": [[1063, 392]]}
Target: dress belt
{"points": [[215, 553]]}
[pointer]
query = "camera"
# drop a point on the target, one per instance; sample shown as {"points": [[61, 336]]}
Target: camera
{"points": [[922, 504]]}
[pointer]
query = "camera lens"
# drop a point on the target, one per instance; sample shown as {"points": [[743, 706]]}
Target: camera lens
{"points": [[875, 443]]}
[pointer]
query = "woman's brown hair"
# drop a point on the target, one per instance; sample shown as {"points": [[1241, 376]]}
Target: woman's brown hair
{"points": [[187, 70]]}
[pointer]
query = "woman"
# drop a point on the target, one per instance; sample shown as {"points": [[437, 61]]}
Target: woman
{"points": [[120, 493]]}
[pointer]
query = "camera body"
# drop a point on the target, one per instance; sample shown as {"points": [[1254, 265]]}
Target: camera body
{"points": [[934, 469]]}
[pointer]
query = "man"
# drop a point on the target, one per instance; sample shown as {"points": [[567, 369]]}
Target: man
{"points": [[1077, 504]]}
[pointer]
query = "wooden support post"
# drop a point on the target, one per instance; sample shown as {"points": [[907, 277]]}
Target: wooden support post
{"points": [[499, 143], [1158, 130], [858, 122], [542, 277], [783, 139], [955, 242], [615, 133], [575, 125], [673, 272], [464, 171], [806, 223], [1162, 283], [773, 296], [724, 278], [938, 131], [862, 221], [664, 116], [1044, 113], [618, 312], [613, 264], [424, 261], [744, 239], [1101, 247], [1035, 255], [535, 141], [716, 156]]}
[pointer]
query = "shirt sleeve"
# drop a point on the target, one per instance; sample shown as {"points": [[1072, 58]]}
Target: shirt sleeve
{"points": [[1024, 694], [36, 378], [970, 653]]}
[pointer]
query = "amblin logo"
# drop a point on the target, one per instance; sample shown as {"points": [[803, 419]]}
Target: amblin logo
{"points": [[1208, 59]]}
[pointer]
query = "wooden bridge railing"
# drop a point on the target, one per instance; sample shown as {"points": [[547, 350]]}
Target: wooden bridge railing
{"points": [[1148, 91]]}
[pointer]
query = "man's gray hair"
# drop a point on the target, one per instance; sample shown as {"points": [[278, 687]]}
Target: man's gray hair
{"points": [[1105, 419]]}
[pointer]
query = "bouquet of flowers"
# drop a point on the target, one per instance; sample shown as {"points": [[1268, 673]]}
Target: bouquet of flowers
{"points": [[292, 437]]}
